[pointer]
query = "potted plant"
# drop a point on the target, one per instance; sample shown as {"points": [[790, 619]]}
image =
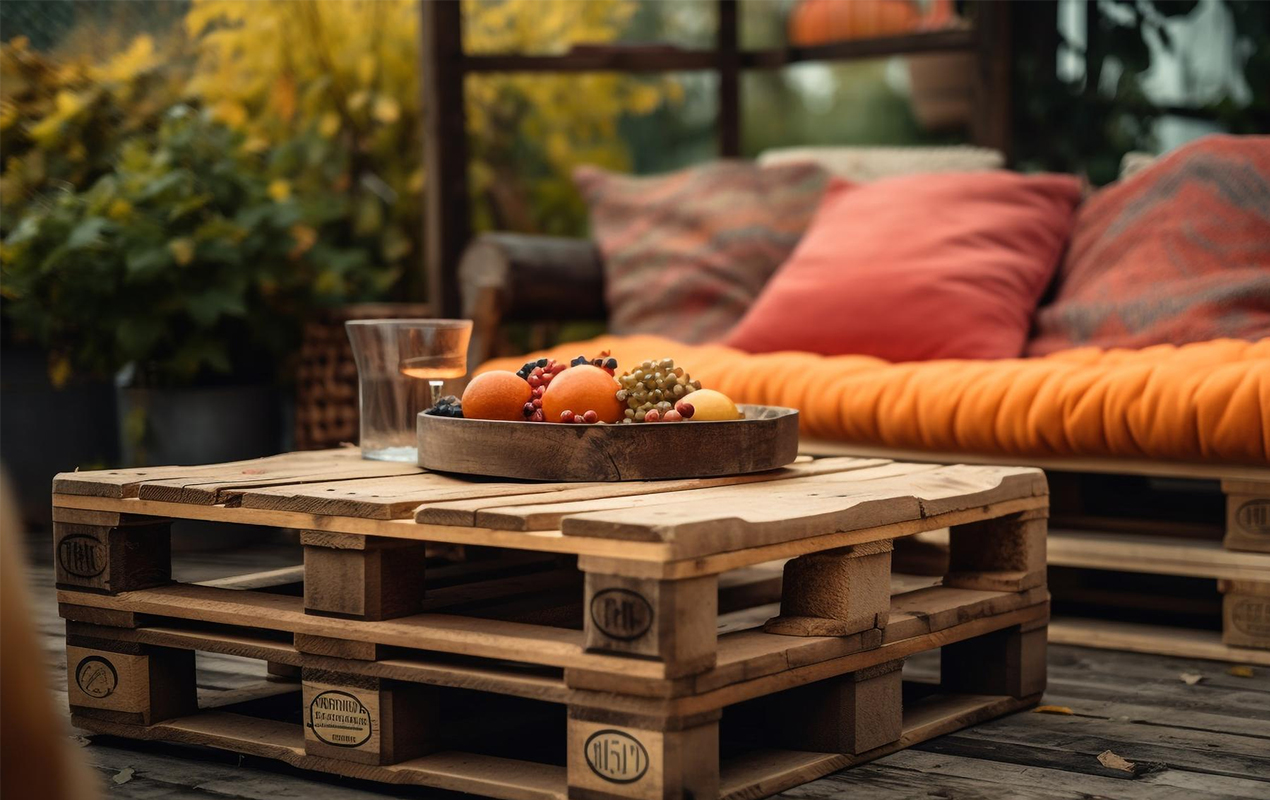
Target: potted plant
{"points": [[187, 274]]}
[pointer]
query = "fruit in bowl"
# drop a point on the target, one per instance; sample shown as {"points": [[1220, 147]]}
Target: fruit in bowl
{"points": [[580, 390], [589, 391], [709, 405], [498, 395]]}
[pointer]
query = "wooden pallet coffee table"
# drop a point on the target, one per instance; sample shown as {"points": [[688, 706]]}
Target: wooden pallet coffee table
{"points": [[725, 637]]}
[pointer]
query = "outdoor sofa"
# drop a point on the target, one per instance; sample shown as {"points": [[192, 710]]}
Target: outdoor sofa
{"points": [[1166, 428]]}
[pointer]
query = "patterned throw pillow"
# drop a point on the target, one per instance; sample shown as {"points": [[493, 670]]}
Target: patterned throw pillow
{"points": [[1179, 252], [685, 254]]}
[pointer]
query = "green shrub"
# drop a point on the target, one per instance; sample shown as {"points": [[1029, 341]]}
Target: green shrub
{"points": [[183, 259]]}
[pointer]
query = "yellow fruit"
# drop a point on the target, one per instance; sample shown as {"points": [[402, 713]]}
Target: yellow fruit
{"points": [[709, 405], [496, 395], [581, 389]]}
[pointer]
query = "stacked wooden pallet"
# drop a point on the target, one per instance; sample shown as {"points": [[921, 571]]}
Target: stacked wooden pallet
{"points": [[624, 640], [1149, 556]]}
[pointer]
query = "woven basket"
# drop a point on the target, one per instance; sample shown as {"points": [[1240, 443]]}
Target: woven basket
{"points": [[326, 377]]}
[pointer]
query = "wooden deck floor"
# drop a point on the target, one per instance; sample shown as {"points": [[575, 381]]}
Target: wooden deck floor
{"points": [[1206, 740]]}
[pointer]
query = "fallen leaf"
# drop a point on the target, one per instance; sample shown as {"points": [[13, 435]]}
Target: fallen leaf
{"points": [[1240, 672], [1191, 678], [124, 775], [1051, 710], [1112, 761]]}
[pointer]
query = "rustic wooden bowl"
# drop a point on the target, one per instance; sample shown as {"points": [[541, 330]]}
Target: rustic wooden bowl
{"points": [[766, 439]]}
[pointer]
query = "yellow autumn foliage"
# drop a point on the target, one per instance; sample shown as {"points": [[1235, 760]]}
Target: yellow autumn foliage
{"points": [[350, 70], [328, 97]]}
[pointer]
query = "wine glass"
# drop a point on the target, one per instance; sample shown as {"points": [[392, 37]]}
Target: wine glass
{"points": [[401, 365], [435, 351]]}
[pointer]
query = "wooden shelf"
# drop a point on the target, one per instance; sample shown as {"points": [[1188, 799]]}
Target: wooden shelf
{"points": [[659, 58]]}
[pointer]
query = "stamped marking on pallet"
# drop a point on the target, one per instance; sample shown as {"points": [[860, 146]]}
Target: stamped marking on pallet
{"points": [[621, 614], [82, 555], [339, 719], [1254, 517], [96, 677], [616, 756], [1251, 616]]}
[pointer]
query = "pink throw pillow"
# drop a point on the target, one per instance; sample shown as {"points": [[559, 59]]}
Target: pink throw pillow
{"points": [[918, 267], [685, 254]]}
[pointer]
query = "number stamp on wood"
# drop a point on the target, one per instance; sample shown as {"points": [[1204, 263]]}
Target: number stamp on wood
{"points": [[1248, 521], [672, 621], [141, 687], [112, 559], [1246, 613], [366, 720], [606, 760]]}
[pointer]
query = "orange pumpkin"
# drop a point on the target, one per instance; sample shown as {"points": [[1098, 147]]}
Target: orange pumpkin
{"points": [[821, 21]]}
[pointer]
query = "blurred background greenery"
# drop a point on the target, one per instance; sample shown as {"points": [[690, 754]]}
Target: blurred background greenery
{"points": [[185, 181]]}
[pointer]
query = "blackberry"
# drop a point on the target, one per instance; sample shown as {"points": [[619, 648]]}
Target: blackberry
{"points": [[448, 406]]}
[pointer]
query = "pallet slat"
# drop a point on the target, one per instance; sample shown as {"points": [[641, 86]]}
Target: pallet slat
{"points": [[1157, 555], [460, 772], [1138, 638], [543, 512]]}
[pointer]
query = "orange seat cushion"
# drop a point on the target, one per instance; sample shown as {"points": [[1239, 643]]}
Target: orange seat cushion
{"points": [[1208, 401]]}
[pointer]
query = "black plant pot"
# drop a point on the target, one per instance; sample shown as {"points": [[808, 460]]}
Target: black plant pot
{"points": [[197, 426], [205, 425], [46, 430]]}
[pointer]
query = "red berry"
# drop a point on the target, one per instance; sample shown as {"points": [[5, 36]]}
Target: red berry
{"points": [[537, 372], [652, 416], [535, 381], [528, 409], [537, 402], [556, 369], [566, 416], [537, 416], [590, 417], [685, 409], [673, 416]]}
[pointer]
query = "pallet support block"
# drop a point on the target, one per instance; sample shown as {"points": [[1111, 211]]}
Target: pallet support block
{"points": [[849, 714], [1006, 554], [1245, 613], [1247, 515], [362, 577], [112, 558], [610, 756], [836, 592], [129, 683], [367, 720], [1005, 662], [672, 621]]}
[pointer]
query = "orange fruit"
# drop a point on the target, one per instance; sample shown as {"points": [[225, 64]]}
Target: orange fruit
{"points": [[496, 395], [581, 389]]}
